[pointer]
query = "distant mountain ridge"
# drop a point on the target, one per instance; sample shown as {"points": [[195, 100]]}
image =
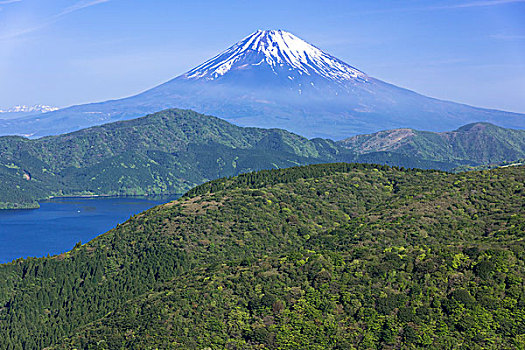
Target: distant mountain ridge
{"points": [[21, 111], [38, 108], [174, 150], [476, 143], [273, 79]]}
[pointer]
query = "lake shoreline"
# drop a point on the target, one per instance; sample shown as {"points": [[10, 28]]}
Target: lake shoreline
{"points": [[36, 204], [62, 222], [145, 196]]}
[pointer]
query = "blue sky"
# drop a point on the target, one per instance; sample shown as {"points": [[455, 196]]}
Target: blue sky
{"points": [[69, 52]]}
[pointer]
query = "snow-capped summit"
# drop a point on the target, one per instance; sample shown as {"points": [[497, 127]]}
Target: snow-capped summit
{"points": [[283, 53], [273, 79]]}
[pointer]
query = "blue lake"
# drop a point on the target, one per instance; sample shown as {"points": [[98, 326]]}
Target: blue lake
{"points": [[60, 223]]}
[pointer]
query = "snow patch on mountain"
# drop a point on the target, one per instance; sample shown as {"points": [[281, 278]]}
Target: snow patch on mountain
{"points": [[280, 50], [29, 109]]}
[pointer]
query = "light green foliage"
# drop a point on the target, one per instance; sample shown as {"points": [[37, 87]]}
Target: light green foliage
{"points": [[227, 266]]}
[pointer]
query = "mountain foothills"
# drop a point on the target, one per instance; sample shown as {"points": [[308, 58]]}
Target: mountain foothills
{"points": [[174, 150], [273, 79], [167, 152], [471, 145], [334, 256]]}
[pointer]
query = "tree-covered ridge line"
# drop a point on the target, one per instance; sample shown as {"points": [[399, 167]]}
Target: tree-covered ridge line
{"points": [[163, 153], [174, 150], [373, 256], [471, 145], [272, 177]]}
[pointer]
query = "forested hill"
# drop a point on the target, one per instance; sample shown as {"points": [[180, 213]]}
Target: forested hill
{"points": [[333, 256], [166, 152], [471, 145], [174, 150]]}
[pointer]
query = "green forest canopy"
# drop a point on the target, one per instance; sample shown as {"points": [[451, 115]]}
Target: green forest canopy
{"points": [[334, 256]]}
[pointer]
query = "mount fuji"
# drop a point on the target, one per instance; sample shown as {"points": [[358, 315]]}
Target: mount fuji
{"points": [[274, 79]]}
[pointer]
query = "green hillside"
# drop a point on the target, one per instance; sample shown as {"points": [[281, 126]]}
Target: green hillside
{"points": [[174, 150], [167, 152], [471, 145], [334, 256]]}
